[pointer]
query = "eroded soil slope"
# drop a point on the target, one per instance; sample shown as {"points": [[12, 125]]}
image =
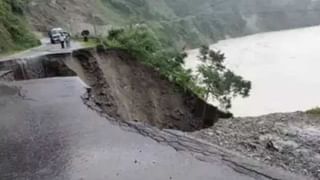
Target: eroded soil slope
{"points": [[129, 90]]}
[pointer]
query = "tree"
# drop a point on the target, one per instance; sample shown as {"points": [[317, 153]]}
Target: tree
{"points": [[220, 83]]}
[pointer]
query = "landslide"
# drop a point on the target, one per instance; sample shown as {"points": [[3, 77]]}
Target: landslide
{"points": [[126, 89], [123, 88]]}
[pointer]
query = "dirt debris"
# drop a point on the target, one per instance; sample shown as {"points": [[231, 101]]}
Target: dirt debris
{"points": [[287, 140]]}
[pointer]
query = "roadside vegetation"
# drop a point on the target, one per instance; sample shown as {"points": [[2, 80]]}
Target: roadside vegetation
{"points": [[212, 80], [219, 83], [186, 22], [142, 43], [14, 31], [91, 42], [314, 111], [192, 23]]}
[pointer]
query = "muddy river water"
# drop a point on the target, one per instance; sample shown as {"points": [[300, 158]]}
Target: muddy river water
{"points": [[283, 66]]}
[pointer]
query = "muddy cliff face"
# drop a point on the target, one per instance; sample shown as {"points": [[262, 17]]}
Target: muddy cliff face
{"points": [[128, 90], [36, 67]]}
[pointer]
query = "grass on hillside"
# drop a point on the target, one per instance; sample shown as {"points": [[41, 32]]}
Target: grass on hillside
{"points": [[142, 43], [15, 33], [9, 53], [90, 43]]}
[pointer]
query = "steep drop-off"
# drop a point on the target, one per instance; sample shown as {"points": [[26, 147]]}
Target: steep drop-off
{"points": [[126, 89]]}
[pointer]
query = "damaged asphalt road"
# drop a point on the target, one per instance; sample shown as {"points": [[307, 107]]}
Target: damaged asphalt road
{"points": [[44, 49], [46, 132], [51, 134]]}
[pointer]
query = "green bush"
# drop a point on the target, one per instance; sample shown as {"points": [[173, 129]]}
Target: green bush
{"points": [[139, 41], [143, 44]]}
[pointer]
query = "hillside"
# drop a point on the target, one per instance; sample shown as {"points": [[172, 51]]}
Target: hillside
{"points": [[276, 15], [14, 31], [179, 23]]}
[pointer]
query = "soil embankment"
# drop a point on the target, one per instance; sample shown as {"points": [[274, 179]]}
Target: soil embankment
{"points": [[129, 90]]}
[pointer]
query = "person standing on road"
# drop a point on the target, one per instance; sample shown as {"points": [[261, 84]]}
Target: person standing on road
{"points": [[62, 39], [68, 40]]}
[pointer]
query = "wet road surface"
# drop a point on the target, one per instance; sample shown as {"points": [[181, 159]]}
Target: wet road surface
{"points": [[45, 49], [47, 133]]}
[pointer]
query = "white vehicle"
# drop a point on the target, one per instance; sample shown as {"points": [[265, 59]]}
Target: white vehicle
{"points": [[55, 34]]}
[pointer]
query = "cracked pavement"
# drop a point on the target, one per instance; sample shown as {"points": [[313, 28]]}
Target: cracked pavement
{"points": [[47, 132]]}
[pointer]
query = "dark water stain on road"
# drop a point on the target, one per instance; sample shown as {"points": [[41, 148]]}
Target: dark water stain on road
{"points": [[8, 90]]}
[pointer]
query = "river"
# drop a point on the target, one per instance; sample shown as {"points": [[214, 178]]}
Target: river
{"points": [[284, 68]]}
